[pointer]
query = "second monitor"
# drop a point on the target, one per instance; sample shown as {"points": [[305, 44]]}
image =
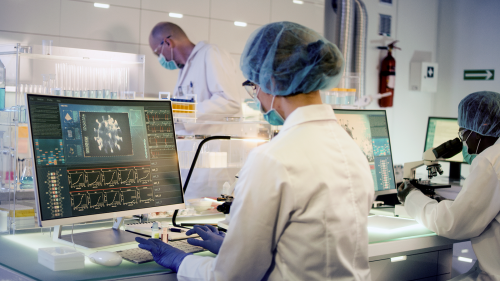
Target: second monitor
{"points": [[440, 130], [368, 128]]}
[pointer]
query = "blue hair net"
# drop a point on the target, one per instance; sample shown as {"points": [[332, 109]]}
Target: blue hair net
{"points": [[480, 112], [286, 58]]}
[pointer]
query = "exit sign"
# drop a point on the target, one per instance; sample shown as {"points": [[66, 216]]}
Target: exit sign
{"points": [[479, 74]]}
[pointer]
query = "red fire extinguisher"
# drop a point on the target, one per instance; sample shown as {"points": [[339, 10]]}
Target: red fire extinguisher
{"points": [[387, 76]]}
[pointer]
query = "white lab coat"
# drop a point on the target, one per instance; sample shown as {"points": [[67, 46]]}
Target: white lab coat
{"points": [[474, 215], [213, 75], [300, 210]]}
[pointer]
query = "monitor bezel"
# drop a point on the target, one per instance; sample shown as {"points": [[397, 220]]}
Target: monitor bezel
{"points": [[103, 216], [386, 191], [427, 133]]}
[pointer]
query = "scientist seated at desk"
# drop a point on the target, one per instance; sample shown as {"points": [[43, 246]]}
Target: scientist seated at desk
{"points": [[205, 70], [302, 200], [475, 213]]}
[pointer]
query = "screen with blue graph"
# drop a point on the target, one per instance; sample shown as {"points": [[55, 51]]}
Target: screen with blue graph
{"points": [[97, 156], [369, 130]]}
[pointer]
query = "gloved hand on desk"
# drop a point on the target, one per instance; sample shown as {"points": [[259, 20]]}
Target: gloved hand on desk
{"points": [[403, 190], [163, 254], [212, 238]]}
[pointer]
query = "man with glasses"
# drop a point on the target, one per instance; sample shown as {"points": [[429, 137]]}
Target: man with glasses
{"points": [[205, 70], [475, 213]]}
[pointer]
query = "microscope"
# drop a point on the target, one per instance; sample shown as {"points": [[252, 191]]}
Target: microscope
{"points": [[431, 159]]}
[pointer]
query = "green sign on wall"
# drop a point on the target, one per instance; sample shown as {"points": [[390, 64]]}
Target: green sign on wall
{"points": [[479, 74]]}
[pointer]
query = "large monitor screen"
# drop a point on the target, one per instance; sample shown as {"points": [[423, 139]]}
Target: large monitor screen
{"points": [[368, 128], [95, 158], [440, 130]]}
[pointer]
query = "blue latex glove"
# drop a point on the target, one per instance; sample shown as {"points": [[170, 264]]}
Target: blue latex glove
{"points": [[212, 238], [163, 254]]}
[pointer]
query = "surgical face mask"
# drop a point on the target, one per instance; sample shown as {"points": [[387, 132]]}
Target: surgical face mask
{"points": [[170, 65], [465, 151], [272, 116]]}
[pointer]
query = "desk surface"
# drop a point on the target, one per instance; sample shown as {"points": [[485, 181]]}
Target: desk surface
{"points": [[19, 252]]}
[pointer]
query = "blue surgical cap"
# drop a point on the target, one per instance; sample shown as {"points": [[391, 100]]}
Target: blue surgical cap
{"points": [[286, 58], [480, 112]]}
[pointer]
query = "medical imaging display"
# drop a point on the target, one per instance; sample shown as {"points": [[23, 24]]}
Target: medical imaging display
{"points": [[105, 134], [100, 156], [368, 129]]}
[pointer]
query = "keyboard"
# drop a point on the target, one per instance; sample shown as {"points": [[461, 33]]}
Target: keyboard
{"points": [[138, 255]]}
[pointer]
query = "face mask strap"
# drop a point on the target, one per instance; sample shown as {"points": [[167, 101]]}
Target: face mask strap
{"points": [[477, 148], [272, 102]]}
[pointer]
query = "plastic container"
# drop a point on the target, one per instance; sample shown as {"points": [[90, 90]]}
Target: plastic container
{"points": [[61, 258]]}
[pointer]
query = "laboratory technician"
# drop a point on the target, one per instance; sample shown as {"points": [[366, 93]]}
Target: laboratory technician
{"points": [[475, 213], [302, 200], [205, 71]]}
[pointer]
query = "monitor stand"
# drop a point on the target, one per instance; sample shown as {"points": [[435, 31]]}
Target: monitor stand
{"points": [[96, 238]]}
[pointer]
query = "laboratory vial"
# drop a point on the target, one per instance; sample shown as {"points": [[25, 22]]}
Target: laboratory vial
{"points": [[99, 94]]}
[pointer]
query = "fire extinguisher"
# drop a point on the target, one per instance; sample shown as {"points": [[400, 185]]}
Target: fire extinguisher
{"points": [[387, 76]]}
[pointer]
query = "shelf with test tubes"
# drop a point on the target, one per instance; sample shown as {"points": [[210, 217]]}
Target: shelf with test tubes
{"points": [[84, 81]]}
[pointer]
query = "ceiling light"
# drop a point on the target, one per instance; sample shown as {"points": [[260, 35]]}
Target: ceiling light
{"points": [[240, 23], [175, 15], [298, 2], [100, 5]]}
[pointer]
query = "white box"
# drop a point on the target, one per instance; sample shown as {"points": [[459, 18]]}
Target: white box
{"points": [[61, 258], [423, 76]]}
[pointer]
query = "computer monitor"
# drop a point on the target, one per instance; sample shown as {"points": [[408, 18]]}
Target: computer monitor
{"points": [[440, 130], [97, 159], [368, 128]]}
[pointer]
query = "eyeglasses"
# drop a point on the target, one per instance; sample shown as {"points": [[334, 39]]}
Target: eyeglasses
{"points": [[161, 44], [461, 134], [251, 88]]}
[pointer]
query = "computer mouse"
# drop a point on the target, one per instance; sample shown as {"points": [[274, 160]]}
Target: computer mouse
{"points": [[105, 258]]}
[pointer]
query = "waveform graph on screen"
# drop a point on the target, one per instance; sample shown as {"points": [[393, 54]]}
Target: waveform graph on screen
{"points": [[158, 128], [129, 196], [160, 140], [146, 194], [79, 201], [157, 115], [110, 177], [96, 199], [165, 152], [94, 178], [112, 198], [143, 175], [126, 176], [76, 179], [106, 134]]}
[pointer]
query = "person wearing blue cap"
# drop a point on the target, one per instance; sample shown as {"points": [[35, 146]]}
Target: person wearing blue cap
{"points": [[475, 213], [302, 200]]}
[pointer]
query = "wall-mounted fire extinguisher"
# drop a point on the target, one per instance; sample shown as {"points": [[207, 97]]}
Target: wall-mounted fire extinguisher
{"points": [[387, 76]]}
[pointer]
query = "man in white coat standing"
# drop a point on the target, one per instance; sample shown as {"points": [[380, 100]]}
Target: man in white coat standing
{"points": [[209, 73], [475, 213], [302, 200], [205, 70]]}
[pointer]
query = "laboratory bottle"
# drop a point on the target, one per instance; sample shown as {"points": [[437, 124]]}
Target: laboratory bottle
{"points": [[3, 83]]}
